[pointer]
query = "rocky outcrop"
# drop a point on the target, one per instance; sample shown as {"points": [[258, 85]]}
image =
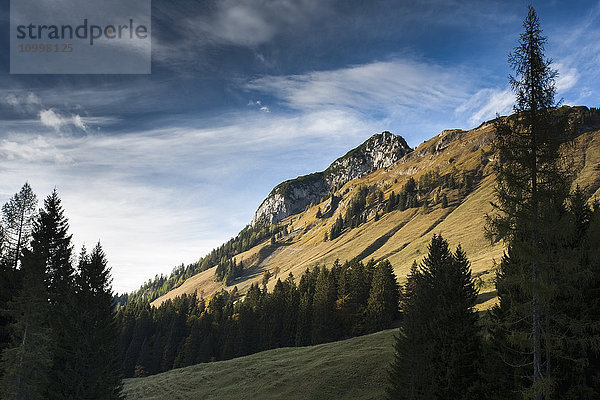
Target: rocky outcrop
{"points": [[293, 196]]}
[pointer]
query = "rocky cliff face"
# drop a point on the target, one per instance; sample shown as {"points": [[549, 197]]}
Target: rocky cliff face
{"points": [[291, 197]]}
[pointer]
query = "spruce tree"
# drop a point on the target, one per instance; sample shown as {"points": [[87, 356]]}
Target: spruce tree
{"points": [[438, 346], [360, 284], [409, 370], [304, 325], [98, 364], [391, 203], [52, 244], [191, 347], [142, 326], [306, 289], [458, 324], [273, 314], [410, 287], [44, 314], [571, 331], [323, 307], [401, 200], [55, 247], [383, 302], [290, 316]]}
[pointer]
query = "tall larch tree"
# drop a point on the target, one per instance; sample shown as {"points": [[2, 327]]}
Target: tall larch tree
{"points": [[18, 215], [7, 283], [29, 362], [531, 190]]}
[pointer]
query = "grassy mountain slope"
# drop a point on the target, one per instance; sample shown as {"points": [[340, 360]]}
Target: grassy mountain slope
{"points": [[402, 236], [351, 369]]}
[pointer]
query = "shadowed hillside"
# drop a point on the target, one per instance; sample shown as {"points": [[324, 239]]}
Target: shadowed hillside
{"points": [[351, 369]]}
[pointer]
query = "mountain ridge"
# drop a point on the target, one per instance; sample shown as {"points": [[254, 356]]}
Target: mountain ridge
{"points": [[454, 165], [294, 195]]}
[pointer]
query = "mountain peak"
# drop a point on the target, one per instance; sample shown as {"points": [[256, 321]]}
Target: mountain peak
{"points": [[291, 197]]}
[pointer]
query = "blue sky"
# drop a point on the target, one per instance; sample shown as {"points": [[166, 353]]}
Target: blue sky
{"points": [[245, 94]]}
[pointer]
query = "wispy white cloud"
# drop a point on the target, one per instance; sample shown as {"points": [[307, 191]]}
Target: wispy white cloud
{"points": [[77, 121], [237, 23], [260, 106], [486, 103], [56, 121], [577, 51], [567, 77], [393, 86], [86, 99], [66, 110], [38, 150], [23, 103], [413, 98]]}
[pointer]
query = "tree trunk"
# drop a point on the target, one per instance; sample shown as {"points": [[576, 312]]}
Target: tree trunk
{"points": [[537, 337], [537, 318], [20, 371], [19, 238]]}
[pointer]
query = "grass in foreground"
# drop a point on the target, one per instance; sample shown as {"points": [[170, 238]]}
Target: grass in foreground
{"points": [[350, 369]]}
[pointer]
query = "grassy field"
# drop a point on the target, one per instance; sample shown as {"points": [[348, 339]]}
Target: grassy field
{"points": [[351, 369]]}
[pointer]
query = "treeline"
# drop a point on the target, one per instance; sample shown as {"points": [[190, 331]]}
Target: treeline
{"points": [[58, 333], [248, 237], [349, 299]]}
